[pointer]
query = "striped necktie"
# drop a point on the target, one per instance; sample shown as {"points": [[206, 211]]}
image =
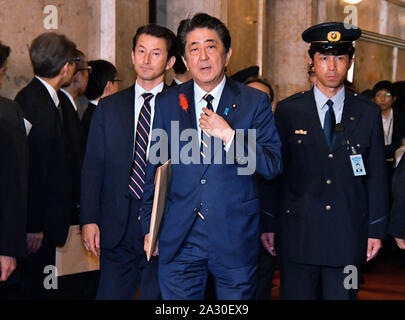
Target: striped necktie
{"points": [[138, 167], [205, 137], [330, 124]]}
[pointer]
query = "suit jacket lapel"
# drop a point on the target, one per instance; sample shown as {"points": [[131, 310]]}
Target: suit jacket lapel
{"points": [[126, 114]]}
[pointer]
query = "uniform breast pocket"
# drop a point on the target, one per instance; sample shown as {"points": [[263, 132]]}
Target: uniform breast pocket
{"points": [[360, 146]]}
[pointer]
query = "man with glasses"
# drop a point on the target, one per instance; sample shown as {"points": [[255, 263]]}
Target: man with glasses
{"points": [[53, 58], [103, 82]]}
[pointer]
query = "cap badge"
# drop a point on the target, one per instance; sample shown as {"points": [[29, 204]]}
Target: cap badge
{"points": [[334, 36]]}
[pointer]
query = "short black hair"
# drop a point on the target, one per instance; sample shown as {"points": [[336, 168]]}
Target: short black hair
{"points": [[4, 53], [179, 67], [157, 31], [80, 60], [382, 85], [203, 20], [49, 52], [263, 82], [102, 71], [312, 50]]}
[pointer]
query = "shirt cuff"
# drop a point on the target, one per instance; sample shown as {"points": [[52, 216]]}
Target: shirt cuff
{"points": [[228, 145]]}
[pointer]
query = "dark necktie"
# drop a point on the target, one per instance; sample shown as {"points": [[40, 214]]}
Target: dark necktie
{"points": [[138, 167], [330, 124], [205, 137]]}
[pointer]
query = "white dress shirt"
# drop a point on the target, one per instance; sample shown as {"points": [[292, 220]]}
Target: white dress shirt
{"points": [[51, 91], [200, 103], [138, 106], [387, 125], [70, 98]]}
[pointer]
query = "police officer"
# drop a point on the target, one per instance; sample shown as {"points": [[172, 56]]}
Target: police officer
{"points": [[330, 216]]}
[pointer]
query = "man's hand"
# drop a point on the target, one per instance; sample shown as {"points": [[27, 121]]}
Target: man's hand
{"points": [[146, 245], [215, 125], [7, 267], [372, 249], [400, 243], [34, 241], [91, 237], [268, 242]]}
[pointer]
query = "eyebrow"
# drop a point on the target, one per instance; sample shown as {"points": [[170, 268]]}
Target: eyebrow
{"points": [[205, 41], [154, 49]]}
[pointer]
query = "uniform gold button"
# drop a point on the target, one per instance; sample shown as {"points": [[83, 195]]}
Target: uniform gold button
{"points": [[287, 211], [328, 207], [299, 141], [329, 181], [330, 155]]}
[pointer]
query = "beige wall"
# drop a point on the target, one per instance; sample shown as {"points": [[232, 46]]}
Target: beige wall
{"points": [[22, 21], [104, 29]]}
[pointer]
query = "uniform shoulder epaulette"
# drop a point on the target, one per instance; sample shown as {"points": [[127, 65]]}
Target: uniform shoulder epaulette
{"points": [[295, 96]]}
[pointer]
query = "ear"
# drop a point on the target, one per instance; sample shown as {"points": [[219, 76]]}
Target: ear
{"points": [[133, 57], [170, 62], [350, 63], [228, 56], [65, 69], [107, 89], [185, 63]]}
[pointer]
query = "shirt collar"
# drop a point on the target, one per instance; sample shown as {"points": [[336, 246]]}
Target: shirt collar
{"points": [[95, 102], [139, 90], [389, 117], [70, 98], [51, 91], [216, 92], [321, 99]]}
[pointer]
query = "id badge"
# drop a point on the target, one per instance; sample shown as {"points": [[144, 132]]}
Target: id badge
{"points": [[358, 165]]}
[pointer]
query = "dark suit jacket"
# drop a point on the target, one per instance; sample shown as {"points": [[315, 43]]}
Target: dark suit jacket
{"points": [[327, 214], [50, 187], [74, 145], [14, 179], [396, 226], [86, 119], [106, 167], [230, 200]]}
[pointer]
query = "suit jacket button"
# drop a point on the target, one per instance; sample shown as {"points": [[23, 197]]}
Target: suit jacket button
{"points": [[329, 181], [330, 155], [203, 181], [299, 141], [287, 211], [328, 208]]}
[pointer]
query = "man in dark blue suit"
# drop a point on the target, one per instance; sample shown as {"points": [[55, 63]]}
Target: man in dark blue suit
{"points": [[112, 175], [211, 221], [331, 216]]}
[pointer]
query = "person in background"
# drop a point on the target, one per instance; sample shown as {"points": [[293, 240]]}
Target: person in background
{"points": [[13, 187], [53, 57], [102, 82], [393, 121], [268, 189], [181, 74]]}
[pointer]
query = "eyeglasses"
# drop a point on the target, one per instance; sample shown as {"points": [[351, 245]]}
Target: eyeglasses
{"points": [[85, 69]]}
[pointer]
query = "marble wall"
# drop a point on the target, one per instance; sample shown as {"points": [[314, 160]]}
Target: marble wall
{"points": [[104, 29]]}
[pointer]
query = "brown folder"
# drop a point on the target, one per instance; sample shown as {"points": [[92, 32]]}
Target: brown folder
{"points": [[73, 257], [162, 182]]}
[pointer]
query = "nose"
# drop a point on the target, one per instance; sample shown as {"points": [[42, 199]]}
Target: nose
{"points": [[203, 54], [332, 63], [146, 58]]}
